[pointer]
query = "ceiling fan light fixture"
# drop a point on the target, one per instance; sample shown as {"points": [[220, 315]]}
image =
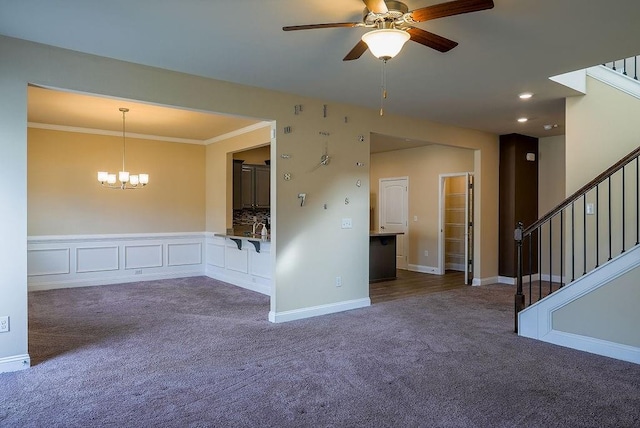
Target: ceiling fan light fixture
{"points": [[385, 43]]}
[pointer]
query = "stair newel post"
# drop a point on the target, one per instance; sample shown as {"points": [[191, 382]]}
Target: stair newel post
{"points": [[519, 297]]}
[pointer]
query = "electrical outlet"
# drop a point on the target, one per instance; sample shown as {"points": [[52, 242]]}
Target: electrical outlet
{"points": [[338, 281], [138, 272], [4, 324], [346, 223], [426, 253]]}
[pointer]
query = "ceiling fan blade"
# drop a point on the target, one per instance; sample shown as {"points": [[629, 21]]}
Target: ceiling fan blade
{"points": [[451, 8], [431, 40], [376, 6], [328, 25], [357, 51]]}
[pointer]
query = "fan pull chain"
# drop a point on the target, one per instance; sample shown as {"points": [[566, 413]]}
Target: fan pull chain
{"points": [[384, 87]]}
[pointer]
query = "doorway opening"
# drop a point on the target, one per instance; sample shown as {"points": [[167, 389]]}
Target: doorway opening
{"points": [[456, 224]]}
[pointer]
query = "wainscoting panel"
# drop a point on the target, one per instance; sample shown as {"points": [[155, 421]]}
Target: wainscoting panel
{"points": [[245, 268], [97, 259], [48, 261], [260, 264], [84, 260], [142, 256], [236, 260], [185, 254], [215, 254]]}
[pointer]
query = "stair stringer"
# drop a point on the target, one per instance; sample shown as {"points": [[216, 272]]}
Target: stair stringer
{"points": [[536, 321], [577, 80]]}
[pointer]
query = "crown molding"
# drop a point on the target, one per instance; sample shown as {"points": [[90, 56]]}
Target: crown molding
{"points": [[80, 130], [237, 132], [112, 133]]}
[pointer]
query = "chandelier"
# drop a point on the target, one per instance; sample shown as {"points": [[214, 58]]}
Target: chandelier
{"points": [[127, 181]]}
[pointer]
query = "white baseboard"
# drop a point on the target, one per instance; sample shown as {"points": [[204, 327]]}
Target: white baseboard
{"points": [[424, 269], [239, 282], [52, 285], [554, 278], [594, 346], [15, 363], [506, 280], [485, 281], [314, 311]]}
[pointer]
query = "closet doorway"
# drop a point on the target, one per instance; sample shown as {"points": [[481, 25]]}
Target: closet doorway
{"points": [[456, 224]]}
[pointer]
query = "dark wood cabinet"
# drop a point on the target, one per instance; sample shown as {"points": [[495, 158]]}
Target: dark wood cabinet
{"points": [[237, 184], [251, 186], [262, 178]]}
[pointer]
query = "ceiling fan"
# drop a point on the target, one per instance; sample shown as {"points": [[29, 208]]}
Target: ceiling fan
{"points": [[395, 15]]}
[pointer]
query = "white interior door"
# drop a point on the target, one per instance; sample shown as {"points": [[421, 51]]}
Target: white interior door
{"points": [[394, 213]]}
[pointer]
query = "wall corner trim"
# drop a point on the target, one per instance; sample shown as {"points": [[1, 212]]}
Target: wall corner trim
{"points": [[424, 269], [314, 311], [15, 363], [486, 281]]}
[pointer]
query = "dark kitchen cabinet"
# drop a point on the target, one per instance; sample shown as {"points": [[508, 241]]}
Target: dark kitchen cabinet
{"points": [[255, 184], [237, 184]]}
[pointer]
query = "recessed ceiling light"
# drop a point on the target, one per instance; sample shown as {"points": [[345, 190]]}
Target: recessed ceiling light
{"points": [[522, 119], [525, 95]]}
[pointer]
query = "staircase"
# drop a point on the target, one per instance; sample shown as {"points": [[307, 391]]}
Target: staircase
{"points": [[579, 264]]}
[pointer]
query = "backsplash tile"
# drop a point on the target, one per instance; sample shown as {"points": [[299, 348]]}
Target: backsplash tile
{"points": [[245, 216]]}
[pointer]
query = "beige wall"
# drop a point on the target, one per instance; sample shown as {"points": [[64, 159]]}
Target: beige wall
{"points": [[551, 173], [423, 166], [309, 245], [551, 192], [65, 198], [602, 127], [608, 313]]}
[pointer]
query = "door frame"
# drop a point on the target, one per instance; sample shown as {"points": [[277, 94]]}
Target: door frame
{"points": [[405, 238], [441, 204]]}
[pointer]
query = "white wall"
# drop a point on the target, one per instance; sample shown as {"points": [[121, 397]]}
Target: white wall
{"points": [[309, 238]]}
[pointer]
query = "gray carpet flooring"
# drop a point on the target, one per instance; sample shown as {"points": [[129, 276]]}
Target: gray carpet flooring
{"points": [[199, 353]]}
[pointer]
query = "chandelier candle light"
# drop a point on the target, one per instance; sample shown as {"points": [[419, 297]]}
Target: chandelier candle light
{"points": [[127, 181]]}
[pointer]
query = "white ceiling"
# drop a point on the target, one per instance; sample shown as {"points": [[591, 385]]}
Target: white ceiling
{"points": [[509, 49]]}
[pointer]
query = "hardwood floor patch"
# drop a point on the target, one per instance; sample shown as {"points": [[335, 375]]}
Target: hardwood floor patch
{"points": [[411, 283]]}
